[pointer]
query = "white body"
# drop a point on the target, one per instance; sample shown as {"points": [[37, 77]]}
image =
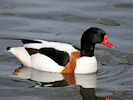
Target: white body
{"points": [[44, 63], [84, 65]]}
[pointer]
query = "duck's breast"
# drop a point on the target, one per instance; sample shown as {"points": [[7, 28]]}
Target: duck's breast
{"points": [[86, 65]]}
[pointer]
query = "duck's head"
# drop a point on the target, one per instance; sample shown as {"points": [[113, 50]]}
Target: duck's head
{"points": [[91, 37], [95, 35]]}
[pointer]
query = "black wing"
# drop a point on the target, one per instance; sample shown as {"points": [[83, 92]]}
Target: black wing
{"points": [[60, 57], [30, 41]]}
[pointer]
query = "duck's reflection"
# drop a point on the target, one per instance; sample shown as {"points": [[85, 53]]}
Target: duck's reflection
{"points": [[87, 82]]}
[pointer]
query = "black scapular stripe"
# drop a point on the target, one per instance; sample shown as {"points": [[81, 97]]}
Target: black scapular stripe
{"points": [[30, 41], [60, 57]]}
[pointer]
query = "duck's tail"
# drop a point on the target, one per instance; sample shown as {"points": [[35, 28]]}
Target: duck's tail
{"points": [[21, 54]]}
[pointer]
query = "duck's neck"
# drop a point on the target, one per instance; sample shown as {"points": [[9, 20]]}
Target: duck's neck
{"points": [[87, 50]]}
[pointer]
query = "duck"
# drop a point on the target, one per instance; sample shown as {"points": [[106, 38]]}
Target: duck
{"points": [[62, 57]]}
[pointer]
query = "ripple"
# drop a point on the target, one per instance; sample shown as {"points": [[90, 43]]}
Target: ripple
{"points": [[124, 5], [108, 22], [56, 16], [67, 17], [7, 24], [114, 58]]}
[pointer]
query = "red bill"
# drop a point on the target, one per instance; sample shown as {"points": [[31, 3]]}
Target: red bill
{"points": [[107, 43]]}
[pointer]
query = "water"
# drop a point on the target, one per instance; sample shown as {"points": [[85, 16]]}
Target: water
{"points": [[65, 21]]}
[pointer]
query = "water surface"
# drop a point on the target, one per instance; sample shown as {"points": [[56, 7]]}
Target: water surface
{"points": [[65, 21]]}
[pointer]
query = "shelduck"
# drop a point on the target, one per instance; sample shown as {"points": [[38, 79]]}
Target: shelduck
{"points": [[62, 57]]}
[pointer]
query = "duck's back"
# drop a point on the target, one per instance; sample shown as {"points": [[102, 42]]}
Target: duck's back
{"points": [[38, 44]]}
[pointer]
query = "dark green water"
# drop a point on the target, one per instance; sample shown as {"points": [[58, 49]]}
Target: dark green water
{"points": [[65, 21]]}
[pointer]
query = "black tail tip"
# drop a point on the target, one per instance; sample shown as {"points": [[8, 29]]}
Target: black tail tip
{"points": [[23, 40], [8, 48]]}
